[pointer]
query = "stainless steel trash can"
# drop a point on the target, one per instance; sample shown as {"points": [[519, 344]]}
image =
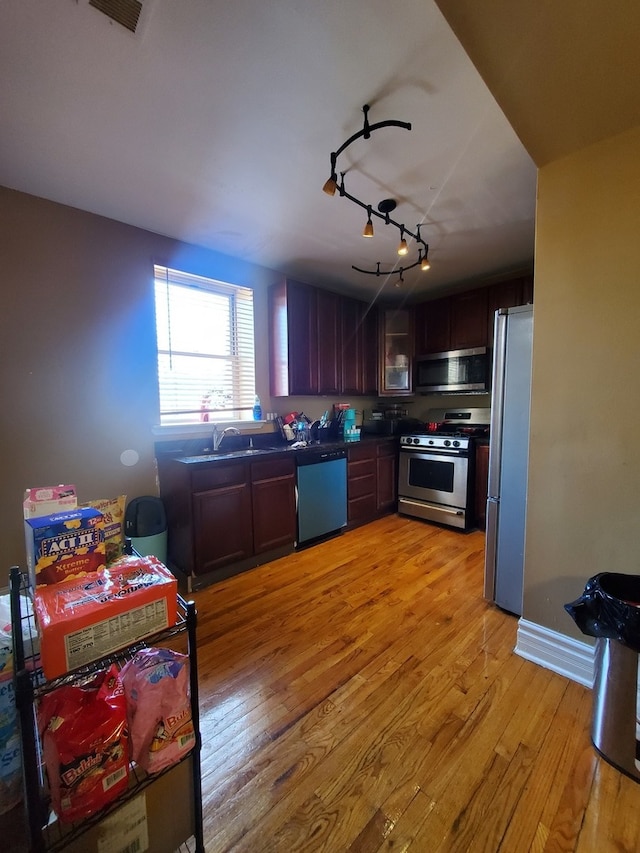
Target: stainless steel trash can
{"points": [[615, 730]]}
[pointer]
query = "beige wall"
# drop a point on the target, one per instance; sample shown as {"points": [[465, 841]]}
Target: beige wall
{"points": [[584, 478], [77, 347]]}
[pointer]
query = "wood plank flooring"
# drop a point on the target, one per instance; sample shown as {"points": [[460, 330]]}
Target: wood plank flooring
{"points": [[361, 696]]}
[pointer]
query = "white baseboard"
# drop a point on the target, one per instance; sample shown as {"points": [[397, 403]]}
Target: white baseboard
{"points": [[562, 654]]}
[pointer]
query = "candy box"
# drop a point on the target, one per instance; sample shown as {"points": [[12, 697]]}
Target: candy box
{"points": [[64, 546], [47, 500], [88, 618]]}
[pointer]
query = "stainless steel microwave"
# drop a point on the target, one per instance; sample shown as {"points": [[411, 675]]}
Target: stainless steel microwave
{"points": [[461, 371]]}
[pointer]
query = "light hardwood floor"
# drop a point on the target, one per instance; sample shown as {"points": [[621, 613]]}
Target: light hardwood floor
{"points": [[361, 696]]}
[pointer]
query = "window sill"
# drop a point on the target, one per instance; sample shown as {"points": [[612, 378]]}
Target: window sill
{"points": [[203, 430]]}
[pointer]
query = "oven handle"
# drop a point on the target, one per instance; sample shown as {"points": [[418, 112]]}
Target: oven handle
{"points": [[443, 509], [430, 451]]}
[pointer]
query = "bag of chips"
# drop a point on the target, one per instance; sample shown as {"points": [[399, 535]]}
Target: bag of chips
{"points": [[156, 685], [112, 510], [85, 744]]}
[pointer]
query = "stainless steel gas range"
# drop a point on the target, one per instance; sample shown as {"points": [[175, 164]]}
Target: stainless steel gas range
{"points": [[437, 467]]}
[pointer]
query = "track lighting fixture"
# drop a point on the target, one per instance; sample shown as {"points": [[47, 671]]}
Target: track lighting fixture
{"points": [[403, 249], [368, 228], [384, 207]]}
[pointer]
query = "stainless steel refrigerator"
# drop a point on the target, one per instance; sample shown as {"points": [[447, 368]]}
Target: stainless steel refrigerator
{"points": [[508, 457]]}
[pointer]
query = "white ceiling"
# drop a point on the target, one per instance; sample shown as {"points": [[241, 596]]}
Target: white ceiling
{"points": [[214, 124]]}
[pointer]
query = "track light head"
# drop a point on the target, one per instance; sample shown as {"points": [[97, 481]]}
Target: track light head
{"points": [[403, 249], [330, 185], [368, 228]]}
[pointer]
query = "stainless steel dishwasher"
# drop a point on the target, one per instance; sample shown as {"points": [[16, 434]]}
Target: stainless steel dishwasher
{"points": [[321, 493]]}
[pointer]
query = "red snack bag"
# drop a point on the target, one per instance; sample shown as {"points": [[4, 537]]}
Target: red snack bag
{"points": [[85, 744]]}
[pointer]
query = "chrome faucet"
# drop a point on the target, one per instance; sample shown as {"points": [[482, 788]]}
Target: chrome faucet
{"points": [[218, 435]]}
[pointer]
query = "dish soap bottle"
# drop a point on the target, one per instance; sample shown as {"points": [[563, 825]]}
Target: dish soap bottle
{"points": [[257, 409]]}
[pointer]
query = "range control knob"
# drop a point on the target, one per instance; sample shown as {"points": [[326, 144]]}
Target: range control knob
{"points": [[456, 443], [430, 441], [447, 443]]}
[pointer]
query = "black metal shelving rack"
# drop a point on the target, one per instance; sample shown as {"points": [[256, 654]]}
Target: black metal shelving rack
{"points": [[30, 683]]}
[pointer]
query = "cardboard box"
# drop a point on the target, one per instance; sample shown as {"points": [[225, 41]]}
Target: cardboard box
{"points": [[86, 619], [47, 500], [65, 545]]}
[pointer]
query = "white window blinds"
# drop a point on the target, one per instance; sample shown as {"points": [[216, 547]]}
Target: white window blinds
{"points": [[206, 366]]}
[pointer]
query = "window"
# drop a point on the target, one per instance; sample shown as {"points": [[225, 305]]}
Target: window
{"points": [[206, 367]]}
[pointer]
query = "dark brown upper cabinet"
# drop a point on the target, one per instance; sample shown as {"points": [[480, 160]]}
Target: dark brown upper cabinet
{"points": [[465, 320], [469, 319], [293, 356], [433, 326], [329, 342], [507, 294], [320, 342]]}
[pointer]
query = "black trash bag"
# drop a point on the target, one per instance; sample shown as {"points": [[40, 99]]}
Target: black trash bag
{"points": [[609, 607]]}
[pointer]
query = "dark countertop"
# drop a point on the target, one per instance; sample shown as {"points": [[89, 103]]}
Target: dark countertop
{"points": [[274, 450]]}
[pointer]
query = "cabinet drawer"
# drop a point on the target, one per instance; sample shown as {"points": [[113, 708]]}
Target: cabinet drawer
{"points": [[357, 487], [269, 469], [361, 450], [361, 468], [361, 509], [218, 475], [387, 448]]}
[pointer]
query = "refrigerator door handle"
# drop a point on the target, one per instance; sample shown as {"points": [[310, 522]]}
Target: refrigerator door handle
{"points": [[491, 542], [497, 401]]}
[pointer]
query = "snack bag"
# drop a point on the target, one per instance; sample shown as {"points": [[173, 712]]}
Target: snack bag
{"points": [[156, 685], [112, 525], [85, 744]]}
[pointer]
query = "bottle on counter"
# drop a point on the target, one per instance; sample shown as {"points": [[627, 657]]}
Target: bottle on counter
{"points": [[257, 409]]}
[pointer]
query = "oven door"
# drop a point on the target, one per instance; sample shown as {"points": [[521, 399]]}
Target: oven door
{"points": [[427, 475]]}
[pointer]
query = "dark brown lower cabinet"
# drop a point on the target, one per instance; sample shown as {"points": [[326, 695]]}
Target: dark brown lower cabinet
{"points": [[387, 476], [361, 483], [222, 527], [227, 516], [273, 502], [372, 476]]}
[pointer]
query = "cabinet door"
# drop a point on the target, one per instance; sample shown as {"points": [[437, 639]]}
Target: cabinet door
{"points": [[302, 325], [370, 350], [274, 505], [329, 341], [396, 352], [433, 326], [504, 294], [482, 477], [222, 527], [527, 289], [352, 374], [469, 319], [387, 476]]}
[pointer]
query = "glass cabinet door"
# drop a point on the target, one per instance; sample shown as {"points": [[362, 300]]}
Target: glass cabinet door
{"points": [[396, 352]]}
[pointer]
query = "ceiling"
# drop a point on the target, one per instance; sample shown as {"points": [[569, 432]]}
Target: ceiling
{"points": [[215, 121], [566, 74]]}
